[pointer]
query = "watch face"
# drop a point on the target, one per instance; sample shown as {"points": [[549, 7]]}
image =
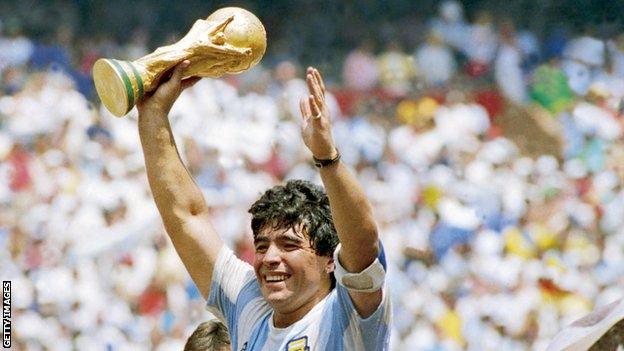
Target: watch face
{"points": [[357, 282]]}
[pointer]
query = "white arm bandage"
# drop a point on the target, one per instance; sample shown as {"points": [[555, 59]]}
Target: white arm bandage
{"points": [[369, 280]]}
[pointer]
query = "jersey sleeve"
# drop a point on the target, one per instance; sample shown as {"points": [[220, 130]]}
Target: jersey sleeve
{"points": [[371, 333], [229, 277]]}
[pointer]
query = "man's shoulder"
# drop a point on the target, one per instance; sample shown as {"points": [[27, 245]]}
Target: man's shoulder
{"points": [[250, 291]]}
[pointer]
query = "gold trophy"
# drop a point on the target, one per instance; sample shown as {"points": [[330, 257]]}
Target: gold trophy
{"points": [[230, 40]]}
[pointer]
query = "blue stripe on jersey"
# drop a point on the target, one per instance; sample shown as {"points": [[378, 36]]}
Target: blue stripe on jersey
{"points": [[260, 334], [250, 291], [230, 310], [227, 307], [375, 330], [382, 256], [333, 325]]}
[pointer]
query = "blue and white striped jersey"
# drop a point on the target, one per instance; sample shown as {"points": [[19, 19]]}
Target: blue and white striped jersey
{"points": [[333, 324]]}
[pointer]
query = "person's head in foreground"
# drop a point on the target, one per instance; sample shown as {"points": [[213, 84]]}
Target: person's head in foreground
{"points": [[294, 239], [209, 336]]}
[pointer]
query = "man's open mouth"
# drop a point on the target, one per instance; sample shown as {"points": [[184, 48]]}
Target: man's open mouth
{"points": [[276, 278]]}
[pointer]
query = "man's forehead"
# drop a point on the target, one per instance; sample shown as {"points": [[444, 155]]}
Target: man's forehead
{"points": [[280, 233]]}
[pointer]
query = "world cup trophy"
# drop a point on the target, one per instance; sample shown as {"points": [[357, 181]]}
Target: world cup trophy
{"points": [[230, 40]]}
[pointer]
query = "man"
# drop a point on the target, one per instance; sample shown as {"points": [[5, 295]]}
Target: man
{"points": [[209, 336], [288, 300]]}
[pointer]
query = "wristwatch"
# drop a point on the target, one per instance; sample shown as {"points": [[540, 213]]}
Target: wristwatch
{"points": [[326, 162]]}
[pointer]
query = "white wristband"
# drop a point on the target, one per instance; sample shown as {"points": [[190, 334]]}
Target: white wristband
{"points": [[369, 280]]}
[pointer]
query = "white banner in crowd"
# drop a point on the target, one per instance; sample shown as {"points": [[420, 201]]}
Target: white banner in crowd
{"points": [[583, 333]]}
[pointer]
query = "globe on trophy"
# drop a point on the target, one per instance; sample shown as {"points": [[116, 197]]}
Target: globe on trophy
{"points": [[231, 40]]}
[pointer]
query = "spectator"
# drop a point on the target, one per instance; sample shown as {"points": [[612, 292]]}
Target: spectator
{"points": [[15, 48], [508, 65], [360, 69], [396, 70], [450, 24], [583, 58], [435, 61], [481, 43]]}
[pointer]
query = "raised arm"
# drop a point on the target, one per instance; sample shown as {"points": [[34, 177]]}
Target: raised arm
{"points": [[179, 200], [351, 211]]}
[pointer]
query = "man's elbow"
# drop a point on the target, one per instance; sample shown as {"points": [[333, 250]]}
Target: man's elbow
{"points": [[189, 209], [177, 218], [370, 237], [357, 258], [197, 208]]}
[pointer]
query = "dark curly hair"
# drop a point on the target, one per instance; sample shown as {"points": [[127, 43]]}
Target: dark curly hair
{"points": [[298, 202]]}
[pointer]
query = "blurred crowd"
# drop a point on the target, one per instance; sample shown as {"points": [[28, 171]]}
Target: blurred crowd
{"points": [[492, 156]]}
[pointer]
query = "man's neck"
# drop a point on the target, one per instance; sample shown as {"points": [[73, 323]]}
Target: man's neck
{"points": [[284, 320]]}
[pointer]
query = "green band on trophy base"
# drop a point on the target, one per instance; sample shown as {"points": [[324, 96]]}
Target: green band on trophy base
{"points": [[110, 86], [139, 80], [126, 81]]}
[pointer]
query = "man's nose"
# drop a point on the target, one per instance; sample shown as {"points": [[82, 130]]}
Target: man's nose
{"points": [[272, 255]]}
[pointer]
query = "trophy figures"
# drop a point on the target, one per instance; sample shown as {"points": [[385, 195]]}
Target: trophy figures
{"points": [[230, 40]]}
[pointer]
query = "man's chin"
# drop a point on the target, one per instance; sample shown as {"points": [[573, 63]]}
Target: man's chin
{"points": [[277, 298]]}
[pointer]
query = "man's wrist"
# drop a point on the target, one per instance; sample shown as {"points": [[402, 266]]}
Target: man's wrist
{"points": [[326, 156], [327, 162], [153, 113]]}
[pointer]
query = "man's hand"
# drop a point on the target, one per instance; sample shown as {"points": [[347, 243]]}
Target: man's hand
{"points": [[162, 99], [316, 125]]}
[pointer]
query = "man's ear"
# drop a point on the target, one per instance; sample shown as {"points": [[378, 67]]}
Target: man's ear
{"points": [[331, 266]]}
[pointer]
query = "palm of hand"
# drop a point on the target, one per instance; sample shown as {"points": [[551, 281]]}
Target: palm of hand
{"points": [[317, 136]]}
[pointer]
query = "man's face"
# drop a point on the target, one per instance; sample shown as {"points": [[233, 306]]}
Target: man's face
{"points": [[289, 271]]}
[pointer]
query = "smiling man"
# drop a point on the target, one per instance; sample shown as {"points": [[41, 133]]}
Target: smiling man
{"points": [[305, 291]]}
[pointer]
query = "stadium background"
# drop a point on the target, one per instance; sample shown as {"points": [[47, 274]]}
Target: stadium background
{"points": [[487, 134]]}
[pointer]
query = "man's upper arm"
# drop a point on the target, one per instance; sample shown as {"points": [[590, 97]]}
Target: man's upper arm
{"points": [[198, 245], [179, 200], [373, 329], [366, 303]]}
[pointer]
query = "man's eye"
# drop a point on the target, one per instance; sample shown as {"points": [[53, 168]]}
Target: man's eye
{"points": [[261, 248], [291, 247]]}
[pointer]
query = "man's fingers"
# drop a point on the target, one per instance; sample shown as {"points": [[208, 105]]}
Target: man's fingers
{"points": [[314, 108], [308, 109], [302, 107], [314, 88], [305, 116], [177, 72], [310, 83], [315, 104], [189, 82], [319, 79], [173, 80]]}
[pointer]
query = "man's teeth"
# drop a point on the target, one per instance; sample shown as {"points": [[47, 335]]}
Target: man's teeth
{"points": [[275, 278]]}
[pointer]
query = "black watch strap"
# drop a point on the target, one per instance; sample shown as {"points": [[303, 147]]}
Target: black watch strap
{"points": [[327, 162]]}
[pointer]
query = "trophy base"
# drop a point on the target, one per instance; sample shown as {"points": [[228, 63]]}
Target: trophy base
{"points": [[118, 84]]}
